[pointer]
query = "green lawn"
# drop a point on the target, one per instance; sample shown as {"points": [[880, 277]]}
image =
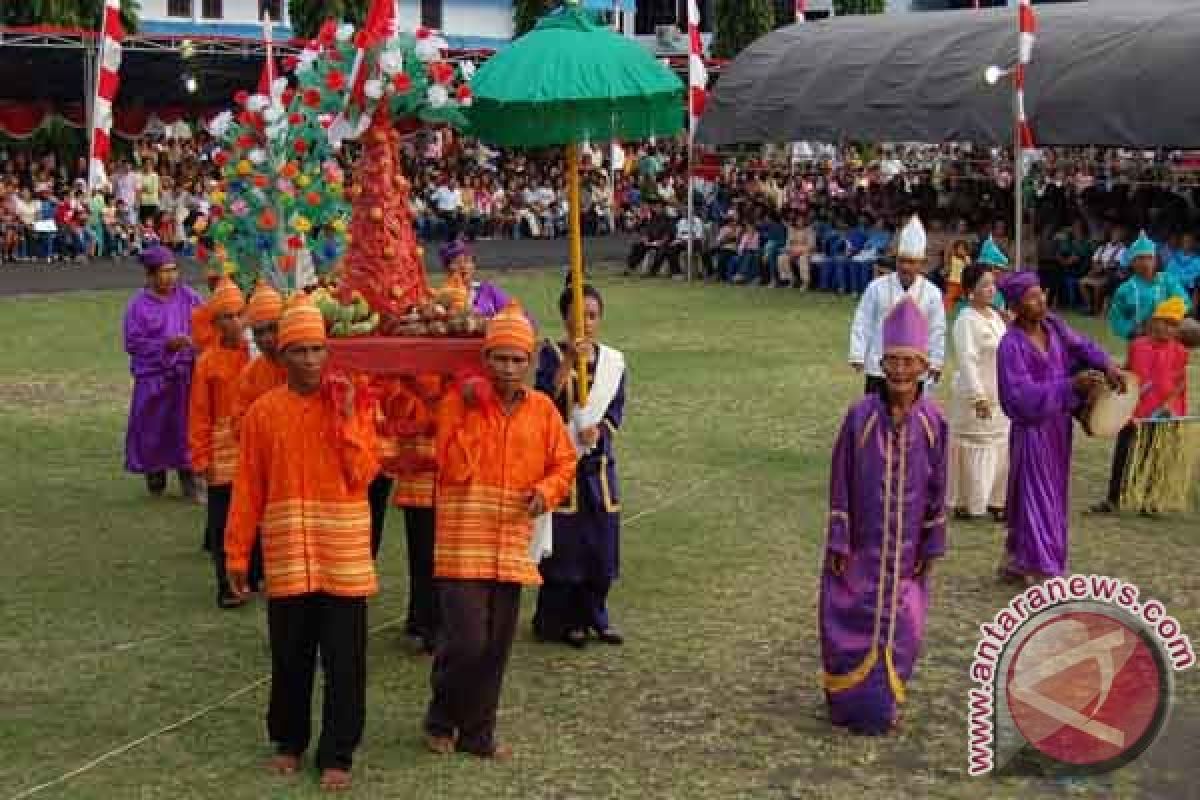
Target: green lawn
{"points": [[109, 632]]}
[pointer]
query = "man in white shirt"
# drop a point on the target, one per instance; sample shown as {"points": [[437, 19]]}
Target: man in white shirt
{"points": [[447, 202], [866, 334]]}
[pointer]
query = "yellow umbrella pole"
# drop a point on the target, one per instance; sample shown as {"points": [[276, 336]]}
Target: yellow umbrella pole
{"points": [[576, 244]]}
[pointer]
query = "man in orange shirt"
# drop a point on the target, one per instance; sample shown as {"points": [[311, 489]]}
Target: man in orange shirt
{"points": [[266, 371], [204, 329], [210, 423], [503, 459], [307, 453]]}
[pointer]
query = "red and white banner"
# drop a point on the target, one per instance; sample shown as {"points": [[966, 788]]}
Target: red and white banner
{"points": [[107, 81], [697, 72], [1027, 33]]}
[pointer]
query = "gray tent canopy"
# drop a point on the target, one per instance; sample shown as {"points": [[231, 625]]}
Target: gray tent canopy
{"points": [[1103, 73]]}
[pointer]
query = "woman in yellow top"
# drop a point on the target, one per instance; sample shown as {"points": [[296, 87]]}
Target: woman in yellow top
{"points": [[960, 257]]}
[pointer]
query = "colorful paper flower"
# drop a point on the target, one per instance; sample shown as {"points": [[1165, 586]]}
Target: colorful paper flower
{"points": [[335, 80], [401, 83], [441, 72]]}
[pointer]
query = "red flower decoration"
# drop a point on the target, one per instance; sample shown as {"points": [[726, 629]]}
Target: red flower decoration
{"points": [[326, 122], [201, 253], [313, 198], [301, 147], [295, 242], [261, 181], [267, 220], [402, 83], [328, 32], [295, 118], [291, 62], [245, 141], [312, 98], [220, 158], [335, 81], [441, 72], [463, 93], [241, 97], [288, 95], [216, 212], [246, 118], [287, 262], [422, 32]]}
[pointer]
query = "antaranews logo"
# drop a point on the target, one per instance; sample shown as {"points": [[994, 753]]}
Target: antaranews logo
{"points": [[1074, 676]]}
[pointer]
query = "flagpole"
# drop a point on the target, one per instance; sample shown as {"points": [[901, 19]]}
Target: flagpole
{"points": [[98, 57]]}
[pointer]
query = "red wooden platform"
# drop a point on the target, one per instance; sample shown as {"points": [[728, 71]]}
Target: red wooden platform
{"points": [[398, 355]]}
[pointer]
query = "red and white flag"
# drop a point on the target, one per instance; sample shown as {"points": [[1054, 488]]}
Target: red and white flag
{"points": [[697, 72], [1027, 33], [107, 81]]}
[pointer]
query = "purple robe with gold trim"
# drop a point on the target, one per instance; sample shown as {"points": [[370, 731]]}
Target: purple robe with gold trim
{"points": [[156, 439], [1037, 395], [887, 493]]}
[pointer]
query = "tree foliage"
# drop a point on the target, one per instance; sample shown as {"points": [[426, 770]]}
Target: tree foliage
{"points": [[307, 15], [841, 7], [740, 22], [67, 13], [527, 12]]}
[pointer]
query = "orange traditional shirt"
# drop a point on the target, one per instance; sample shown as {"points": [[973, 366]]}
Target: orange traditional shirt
{"points": [[414, 454], [488, 463], [259, 377], [302, 480], [204, 333], [211, 439]]}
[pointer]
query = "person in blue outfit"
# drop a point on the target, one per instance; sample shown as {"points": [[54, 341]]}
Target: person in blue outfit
{"points": [[585, 554]]}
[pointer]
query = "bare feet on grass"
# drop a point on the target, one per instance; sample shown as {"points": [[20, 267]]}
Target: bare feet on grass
{"points": [[284, 764], [335, 780]]}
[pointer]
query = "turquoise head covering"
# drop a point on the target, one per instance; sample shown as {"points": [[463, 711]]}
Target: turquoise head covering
{"points": [[991, 255], [1142, 247]]}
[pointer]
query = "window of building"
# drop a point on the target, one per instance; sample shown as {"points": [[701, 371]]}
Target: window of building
{"points": [[179, 8], [431, 13], [652, 13], [272, 7], [212, 9]]}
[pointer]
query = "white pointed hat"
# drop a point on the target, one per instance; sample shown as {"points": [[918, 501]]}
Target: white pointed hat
{"points": [[912, 239]]}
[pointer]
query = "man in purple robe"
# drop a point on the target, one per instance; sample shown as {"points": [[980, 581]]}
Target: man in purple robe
{"points": [[161, 357], [484, 298], [1046, 372], [585, 555], [887, 522]]}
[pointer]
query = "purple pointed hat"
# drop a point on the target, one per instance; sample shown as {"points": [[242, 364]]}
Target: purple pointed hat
{"points": [[452, 250], [1014, 285], [905, 330], [155, 257]]}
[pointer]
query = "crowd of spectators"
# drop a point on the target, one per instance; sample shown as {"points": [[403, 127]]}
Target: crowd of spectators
{"points": [[820, 219], [154, 194]]}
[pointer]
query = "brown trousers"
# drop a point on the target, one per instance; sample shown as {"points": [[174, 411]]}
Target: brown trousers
{"points": [[476, 629]]}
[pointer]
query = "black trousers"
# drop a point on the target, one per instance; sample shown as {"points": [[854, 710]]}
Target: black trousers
{"points": [[1120, 462], [422, 601], [217, 513], [479, 621], [299, 628], [379, 495]]}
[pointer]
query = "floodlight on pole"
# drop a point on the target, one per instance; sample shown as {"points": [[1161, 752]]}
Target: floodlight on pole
{"points": [[993, 74]]}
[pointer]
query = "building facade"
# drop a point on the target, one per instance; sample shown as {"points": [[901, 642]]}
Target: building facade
{"points": [[487, 24]]}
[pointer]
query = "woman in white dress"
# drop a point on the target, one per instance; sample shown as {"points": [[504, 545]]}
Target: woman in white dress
{"points": [[978, 428]]}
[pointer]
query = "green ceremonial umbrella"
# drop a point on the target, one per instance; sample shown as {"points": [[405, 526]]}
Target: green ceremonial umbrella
{"points": [[567, 81]]}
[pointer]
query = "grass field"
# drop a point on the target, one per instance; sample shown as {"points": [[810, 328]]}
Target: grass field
{"points": [[109, 633]]}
